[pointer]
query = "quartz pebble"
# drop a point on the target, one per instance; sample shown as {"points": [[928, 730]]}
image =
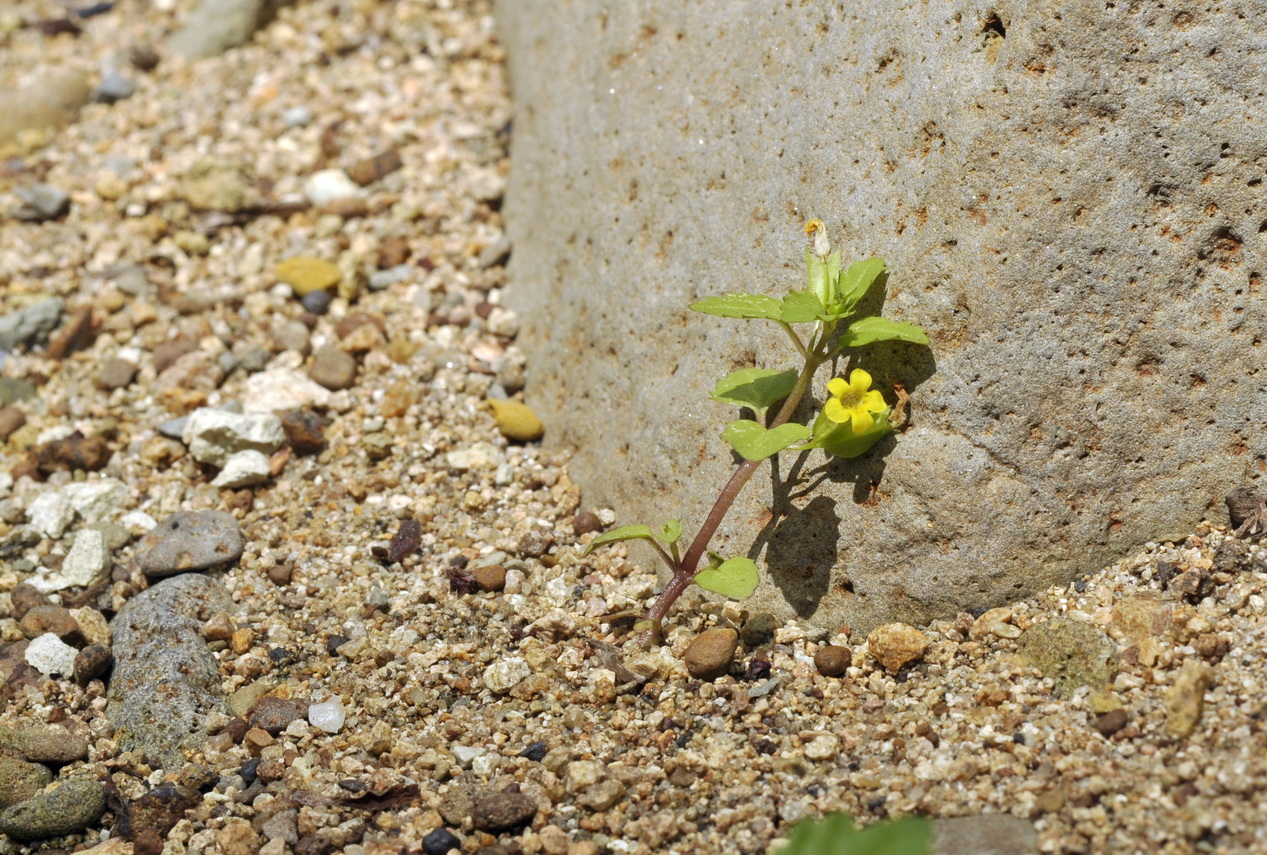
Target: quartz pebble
{"points": [[329, 185], [327, 715], [213, 436], [243, 469], [51, 656], [505, 674]]}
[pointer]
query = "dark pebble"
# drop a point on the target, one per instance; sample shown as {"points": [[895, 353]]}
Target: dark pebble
{"points": [[496, 812], [490, 578], [393, 252], [143, 58], [272, 715], [92, 662], [77, 335], [1230, 556], [249, 769], [535, 752], [314, 844], [317, 302], [1111, 722], [585, 522], [440, 842], [334, 642], [26, 597], [833, 660], [160, 809], [89, 453], [406, 540], [11, 418], [371, 169], [281, 574], [305, 431]]}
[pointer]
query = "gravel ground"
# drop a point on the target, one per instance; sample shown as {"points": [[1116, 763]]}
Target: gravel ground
{"points": [[410, 652]]}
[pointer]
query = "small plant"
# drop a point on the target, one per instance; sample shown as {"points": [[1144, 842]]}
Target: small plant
{"points": [[835, 834], [853, 418]]}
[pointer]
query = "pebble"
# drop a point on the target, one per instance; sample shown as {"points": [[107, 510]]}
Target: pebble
{"points": [[383, 279], [1111, 722], [189, 541], [332, 368], [25, 597], [160, 809], [113, 86], [214, 436], [280, 389], [586, 522], [996, 623], [76, 451], [217, 185], [441, 841], [393, 252], [516, 421], [328, 715], [215, 26], [273, 715], [19, 780], [371, 169], [1185, 699], [603, 795], [1142, 615], [43, 743], [832, 660], [329, 185], [51, 656], [896, 645], [157, 641], [116, 374], [243, 469], [318, 302], [55, 619], [711, 653], [51, 99], [41, 202], [66, 808], [306, 275], [497, 812], [87, 563], [297, 117], [491, 578], [27, 325], [1070, 652], [505, 674], [91, 662], [984, 834], [11, 418], [305, 430]]}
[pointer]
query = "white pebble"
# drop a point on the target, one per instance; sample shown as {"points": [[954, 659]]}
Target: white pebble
{"points": [[330, 185], [503, 676], [49, 655], [465, 754], [213, 435], [327, 716], [87, 563], [242, 470]]}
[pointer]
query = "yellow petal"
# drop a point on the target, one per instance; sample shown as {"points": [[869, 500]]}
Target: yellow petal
{"points": [[873, 401], [862, 421], [838, 387], [859, 380], [836, 411]]}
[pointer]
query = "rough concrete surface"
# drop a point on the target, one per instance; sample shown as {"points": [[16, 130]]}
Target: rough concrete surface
{"points": [[1069, 198]]}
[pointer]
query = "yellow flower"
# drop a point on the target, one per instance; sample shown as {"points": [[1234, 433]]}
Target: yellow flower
{"points": [[852, 402]]}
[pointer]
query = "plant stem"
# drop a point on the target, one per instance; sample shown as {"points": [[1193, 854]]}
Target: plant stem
{"points": [[684, 573]]}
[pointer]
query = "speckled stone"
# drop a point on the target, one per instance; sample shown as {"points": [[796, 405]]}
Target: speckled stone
{"points": [[67, 808], [1070, 652], [43, 743], [501, 811], [896, 645], [188, 541], [19, 779]]}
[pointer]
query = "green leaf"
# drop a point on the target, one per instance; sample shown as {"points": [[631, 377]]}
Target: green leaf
{"points": [[735, 578], [801, 307], [754, 387], [740, 306], [873, 329], [671, 531], [841, 441], [835, 834], [625, 532], [853, 285], [755, 442]]}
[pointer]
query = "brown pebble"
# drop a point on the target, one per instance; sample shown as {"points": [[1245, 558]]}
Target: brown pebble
{"points": [[147, 842], [895, 645], [236, 729], [116, 374], [281, 574], [256, 740], [393, 252], [26, 597], [353, 321], [586, 522], [502, 811], [89, 453], [832, 660], [158, 811], [305, 430], [270, 771], [91, 662], [490, 578], [165, 355], [11, 418], [143, 57], [1243, 505], [40, 620], [1111, 722], [78, 334], [406, 540], [711, 653], [272, 715], [332, 368], [349, 207], [372, 169]]}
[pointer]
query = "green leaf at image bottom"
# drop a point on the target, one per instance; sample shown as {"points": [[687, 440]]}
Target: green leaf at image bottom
{"points": [[735, 578], [835, 834], [755, 442]]}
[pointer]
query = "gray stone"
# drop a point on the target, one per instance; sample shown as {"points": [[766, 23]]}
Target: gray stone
{"points": [[158, 642], [189, 541], [988, 834], [218, 25], [29, 324], [1070, 652], [13, 390], [113, 86], [1079, 232], [42, 202], [68, 808], [51, 100], [213, 436]]}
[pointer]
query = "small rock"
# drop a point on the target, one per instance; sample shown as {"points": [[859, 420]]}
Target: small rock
{"points": [[92, 662], [76, 451], [535, 543], [1185, 700], [243, 469], [371, 169], [28, 325], [67, 808], [327, 716], [1232, 555], [491, 578], [392, 253], [215, 26], [333, 368], [516, 421], [11, 418], [51, 656], [41, 202], [291, 334], [297, 117], [213, 436], [833, 660], [283, 826], [13, 390], [116, 374], [43, 743], [496, 252], [55, 619], [158, 642], [441, 841], [1142, 615], [160, 809], [166, 353], [113, 86], [26, 597], [1111, 722], [273, 715], [52, 99], [283, 389], [586, 522], [497, 812], [78, 334], [896, 645], [1243, 506], [306, 275], [329, 185], [50, 514], [505, 674], [305, 430], [602, 795], [711, 653], [1070, 652], [984, 834], [317, 303], [407, 540], [87, 563], [188, 541], [19, 780]]}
